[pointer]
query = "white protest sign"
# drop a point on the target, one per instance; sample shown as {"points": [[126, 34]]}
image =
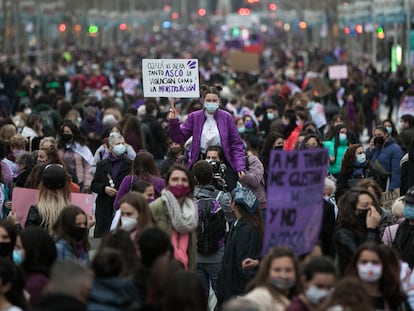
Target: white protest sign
{"points": [[338, 72], [171, 78]]}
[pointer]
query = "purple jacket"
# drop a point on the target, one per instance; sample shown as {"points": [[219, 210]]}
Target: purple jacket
{"points": [[157, 182], [231, 142]]}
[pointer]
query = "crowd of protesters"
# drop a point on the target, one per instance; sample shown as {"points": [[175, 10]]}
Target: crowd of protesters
{"points": [[84, 125]]}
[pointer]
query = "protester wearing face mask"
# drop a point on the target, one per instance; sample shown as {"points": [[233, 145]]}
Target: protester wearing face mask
{"points": [[385, 154], [108, 177], [273, 141], [371, 266], [211, 127], [71, 231], [73, 149], [355, 167], [337, 144], [176, 214], [358, 220], [318, 280], [277, 280], [35, 253], [8, 234], [135, 214], [404, 239]]}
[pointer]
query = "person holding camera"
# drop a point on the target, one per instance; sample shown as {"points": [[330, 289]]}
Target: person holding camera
{"points": [[210, 127], [214, 211], [214, 156]]}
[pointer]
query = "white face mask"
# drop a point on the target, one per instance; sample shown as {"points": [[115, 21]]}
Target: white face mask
{"points": [[316, 295], [369, 272], [128, 224]]}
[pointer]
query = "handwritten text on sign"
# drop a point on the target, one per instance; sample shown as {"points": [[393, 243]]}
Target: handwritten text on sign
{"points": [[170, 78], [294, 195]]}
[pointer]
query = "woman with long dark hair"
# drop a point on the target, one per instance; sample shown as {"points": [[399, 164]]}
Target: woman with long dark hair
{"points": [[243, 242], [175, 213], [277, 280], [145, 168], [337, 145], [355, 167], [358, 220], [372, 267], [71, 230]]}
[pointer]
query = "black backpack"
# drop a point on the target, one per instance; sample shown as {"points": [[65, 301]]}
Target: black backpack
{"points": [[149, 138], [211, 224]]}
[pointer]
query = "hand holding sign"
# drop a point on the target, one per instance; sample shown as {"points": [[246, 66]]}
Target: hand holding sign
{"points": [[173, 113]]}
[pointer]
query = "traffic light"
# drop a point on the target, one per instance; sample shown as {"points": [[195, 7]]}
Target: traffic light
{"points": [[380, 33], [62, 27], [235, 32], [78, 27], [359, 29], [202, 12], [244, 11], [303, 25], [93, 29], [347, 30], [175, 15], [272, 7], [123, 27]]}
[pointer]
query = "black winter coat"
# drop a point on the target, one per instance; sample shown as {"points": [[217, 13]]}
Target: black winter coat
{"points": [[104, 203], [242, 242]]}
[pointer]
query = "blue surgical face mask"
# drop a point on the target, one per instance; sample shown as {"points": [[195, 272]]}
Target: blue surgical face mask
{"points": [[409, 211], [241, 129], [17, 257], [342, 137], [211, 107], [270, 116], [389, 129], [119, 149], [361, 158]]}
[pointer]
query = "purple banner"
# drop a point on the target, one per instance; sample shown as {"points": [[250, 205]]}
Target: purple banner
{"points": [[294, 199]]}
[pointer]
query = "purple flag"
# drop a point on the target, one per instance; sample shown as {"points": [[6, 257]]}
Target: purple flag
{"points": [[294, 199]]}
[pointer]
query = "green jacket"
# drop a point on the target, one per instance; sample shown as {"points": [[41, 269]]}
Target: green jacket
{"points": [[335, 168], [163, 221]]}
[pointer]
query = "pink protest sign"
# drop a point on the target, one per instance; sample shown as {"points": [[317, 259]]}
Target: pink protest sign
{"points": [[294, 199], [23, 198]]}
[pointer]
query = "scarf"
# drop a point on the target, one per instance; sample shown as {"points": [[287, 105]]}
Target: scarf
{"points": [[359, 169], [184, 219]]}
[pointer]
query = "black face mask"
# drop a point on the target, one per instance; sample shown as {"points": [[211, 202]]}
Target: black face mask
{"points": [[6, 248], [379, 141], [278, 148], [78, 233], [362, 216], [66, 137]]}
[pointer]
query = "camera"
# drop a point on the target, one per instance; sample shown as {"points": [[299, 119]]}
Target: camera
{"points": [[219, 174]]}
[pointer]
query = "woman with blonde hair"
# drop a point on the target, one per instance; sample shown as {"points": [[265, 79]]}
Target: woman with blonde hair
{"points": [[54, 196]]}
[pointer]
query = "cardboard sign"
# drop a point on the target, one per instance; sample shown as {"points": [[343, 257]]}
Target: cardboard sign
{"points": [[23, 198], [389, 197], [295, 199], [319, 86], [243, 62], [338, 72], [171, 78]]}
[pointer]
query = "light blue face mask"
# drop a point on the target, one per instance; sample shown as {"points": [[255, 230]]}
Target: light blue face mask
{"points": [[241, 129], [389, 129], [17, 256], [409, 211], [211, 107], [361, 158], [270, 116]]}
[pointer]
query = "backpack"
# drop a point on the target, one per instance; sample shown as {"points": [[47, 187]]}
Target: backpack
{"points": [[211, 227]]}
